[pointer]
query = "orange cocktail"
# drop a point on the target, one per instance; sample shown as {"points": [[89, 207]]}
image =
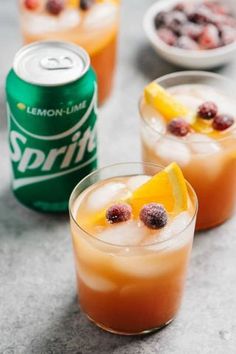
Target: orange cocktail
{"points": [[92, 24], [190, 118], [132, 245]]}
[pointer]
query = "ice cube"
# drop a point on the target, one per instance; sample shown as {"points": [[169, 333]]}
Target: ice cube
{"points": [[134, 182], [190, 102], [143, 266], [180, 222], [170, 149], [175, 226], [38, 24], [153, 126], [101, 15], [68, 19], [122, 234], [149, 137], [129, 290], [203, 144], [109, 192], [95, 281], [157, 124]]}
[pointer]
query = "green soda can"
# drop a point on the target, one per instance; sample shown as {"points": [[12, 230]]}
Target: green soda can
{"points": [[52, 110]]}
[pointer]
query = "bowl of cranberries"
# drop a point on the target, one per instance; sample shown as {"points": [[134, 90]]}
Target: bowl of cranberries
{"points": [[198, 34]]}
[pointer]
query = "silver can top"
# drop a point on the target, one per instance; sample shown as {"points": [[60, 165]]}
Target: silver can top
{"points": [[51, 63]]}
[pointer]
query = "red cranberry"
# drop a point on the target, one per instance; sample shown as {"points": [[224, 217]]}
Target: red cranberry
{"points": [[216, 7], [167, 36], [223, 121], [153, 215], [177, 17], [227, 34], [160, 19], [178, 127], [180, 7], [118, 213], [229, 21], [200, 15], [192, 30], [31, 4], [209, 39], [55, 7], [86, 4], [207, 110], [185, 42], [175, 20]]}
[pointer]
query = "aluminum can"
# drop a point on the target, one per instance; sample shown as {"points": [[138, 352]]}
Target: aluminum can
{"points": [[52, 109]]}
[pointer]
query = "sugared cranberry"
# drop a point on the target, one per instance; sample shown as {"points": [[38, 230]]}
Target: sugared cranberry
{"points": [[86, 4], [192, 30], [160, 19], [217, 8], [185, 42], [175, 20], [209, 39], [55, 7], [167, 36], [228, 21], [153, 215], [227, 34], [207, 110], [200, 15], [179, 7], [223, 121], [31, 4], [178, 127], [118, 213]]}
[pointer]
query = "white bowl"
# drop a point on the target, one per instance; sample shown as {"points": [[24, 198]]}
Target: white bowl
{"points": [[194, 59]]}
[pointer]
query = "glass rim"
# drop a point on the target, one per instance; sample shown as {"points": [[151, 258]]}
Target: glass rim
{"points": [[93, 238], [195, 73]]}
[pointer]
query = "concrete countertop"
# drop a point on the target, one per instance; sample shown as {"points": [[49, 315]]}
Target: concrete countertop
{"points": [[38, 309]]}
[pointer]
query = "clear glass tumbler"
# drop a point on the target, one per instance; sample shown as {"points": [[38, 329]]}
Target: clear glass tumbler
{"points": [[94, 27], [208, 164], [129, 289]]}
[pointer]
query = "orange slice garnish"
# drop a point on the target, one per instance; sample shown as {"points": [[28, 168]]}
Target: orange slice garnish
{"points": [[166, 104], [167, 187]]}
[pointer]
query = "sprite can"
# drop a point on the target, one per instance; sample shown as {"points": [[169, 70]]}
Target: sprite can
{"points": [[52, 108]]}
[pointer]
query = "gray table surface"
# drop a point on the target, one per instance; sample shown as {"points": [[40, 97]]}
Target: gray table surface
{"points": [[38, 309]]}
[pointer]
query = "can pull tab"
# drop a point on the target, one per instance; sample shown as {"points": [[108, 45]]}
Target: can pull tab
{"points": [[52, 63]]}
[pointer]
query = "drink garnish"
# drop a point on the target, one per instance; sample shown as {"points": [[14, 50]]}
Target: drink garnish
{"points": [[168, 188], [223, 122], [55, 7], [180, 120], [178, 127], [86, 4], [118, 213], [153, 215], [166, 104], [31, 4], [207, 110]]}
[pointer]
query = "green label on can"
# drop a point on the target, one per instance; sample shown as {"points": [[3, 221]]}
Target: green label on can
{"points": [[52, 146]]}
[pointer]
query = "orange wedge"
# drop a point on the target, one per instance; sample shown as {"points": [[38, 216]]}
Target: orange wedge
{"points": [[94, 219], [166, 104], [73, 3], [167, 187], [202, 126]]}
